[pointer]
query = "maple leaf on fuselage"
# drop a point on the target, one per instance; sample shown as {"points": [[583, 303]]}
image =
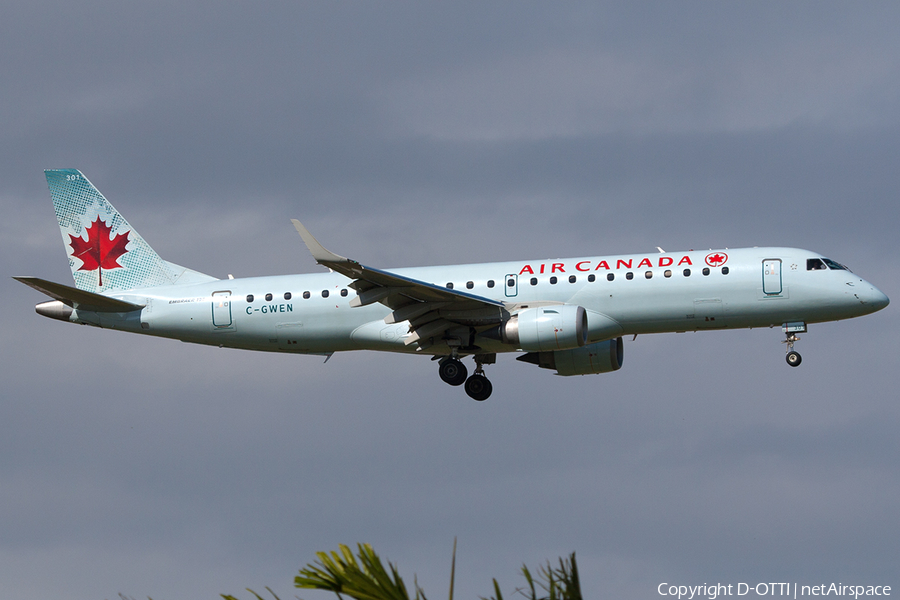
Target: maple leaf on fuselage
{"points": [[99, 251]]}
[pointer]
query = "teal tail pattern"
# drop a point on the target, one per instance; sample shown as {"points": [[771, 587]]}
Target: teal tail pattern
{"points": [[105, 252]]}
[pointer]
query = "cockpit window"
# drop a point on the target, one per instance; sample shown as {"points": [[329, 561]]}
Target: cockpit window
{"points": [[835, 266], [815, 264]]}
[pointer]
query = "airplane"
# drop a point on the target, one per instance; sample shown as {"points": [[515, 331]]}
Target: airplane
{"points": [[568, 315]]}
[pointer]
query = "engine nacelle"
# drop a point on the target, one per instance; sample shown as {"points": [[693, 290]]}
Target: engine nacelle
{"points": [[601, 357], [547, 328]]}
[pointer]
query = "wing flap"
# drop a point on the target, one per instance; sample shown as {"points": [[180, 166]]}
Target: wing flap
{"points": [[413, 311], [428, 330]]}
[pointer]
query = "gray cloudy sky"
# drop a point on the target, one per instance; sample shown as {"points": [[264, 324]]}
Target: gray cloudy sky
{"points": [[406, 134]]}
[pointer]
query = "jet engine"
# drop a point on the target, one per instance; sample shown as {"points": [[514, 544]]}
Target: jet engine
{"points": [[546, 328], [601, 357]]}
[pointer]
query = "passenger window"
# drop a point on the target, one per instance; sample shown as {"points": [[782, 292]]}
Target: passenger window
{"points": [[553, 280], [706, 270], [592, 278], [490, 283], [533, 281], [725, 270], [687, 272], [306, 295], [649, 274], [287, 295], [268, 297], [344, 293], [324, 293], [249, 297], [449, 286], [610, 276], [510, 282], [470, 285], [668, 273], [572, 279], [815, 264], [629, 275]]}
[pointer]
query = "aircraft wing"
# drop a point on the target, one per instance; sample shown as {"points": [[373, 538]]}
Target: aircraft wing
{"points": [[431, 309]]}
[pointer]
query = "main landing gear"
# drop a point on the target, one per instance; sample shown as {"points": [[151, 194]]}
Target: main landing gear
{"points": [[454, 372], [791, 330]]}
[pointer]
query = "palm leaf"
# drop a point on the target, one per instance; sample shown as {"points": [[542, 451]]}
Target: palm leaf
{"points": [[365, 579]]}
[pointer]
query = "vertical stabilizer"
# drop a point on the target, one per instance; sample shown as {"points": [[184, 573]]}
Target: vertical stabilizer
{"points": [[105, 252]]}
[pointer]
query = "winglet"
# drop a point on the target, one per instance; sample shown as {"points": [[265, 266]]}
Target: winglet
{"points": [[318, 251]]}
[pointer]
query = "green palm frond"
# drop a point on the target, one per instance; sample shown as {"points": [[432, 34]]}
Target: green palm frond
{"points": [[365, 579], [551, 583], [258, 597]]}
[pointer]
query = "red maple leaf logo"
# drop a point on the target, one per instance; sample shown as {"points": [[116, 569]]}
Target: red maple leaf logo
{"points": [[716, 259], [100, 251]]}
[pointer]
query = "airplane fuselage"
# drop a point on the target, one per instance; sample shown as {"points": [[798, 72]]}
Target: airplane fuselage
{"points": [[623, 295], [568, 315]]}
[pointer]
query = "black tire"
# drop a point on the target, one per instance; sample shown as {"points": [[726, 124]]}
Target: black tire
{"points": [[453, 372], [479, 388], [793, 358]]}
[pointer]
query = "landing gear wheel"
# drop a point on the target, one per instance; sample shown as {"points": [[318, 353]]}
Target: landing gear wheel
{"points": [[452, 371], [478, 387], [790, 333]]}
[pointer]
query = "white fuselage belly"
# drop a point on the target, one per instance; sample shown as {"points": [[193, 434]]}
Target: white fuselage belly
{"points": [[219, 313]]}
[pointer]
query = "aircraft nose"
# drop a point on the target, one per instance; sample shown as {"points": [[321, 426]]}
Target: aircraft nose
{"points": [[863, 298], [878, 299], [870, 297]]}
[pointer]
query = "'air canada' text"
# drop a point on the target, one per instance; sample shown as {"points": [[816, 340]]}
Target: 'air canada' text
{"points": [[622, 263]]}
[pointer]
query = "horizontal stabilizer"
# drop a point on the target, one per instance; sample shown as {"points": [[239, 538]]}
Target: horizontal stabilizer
{"points": [[79, 299]]}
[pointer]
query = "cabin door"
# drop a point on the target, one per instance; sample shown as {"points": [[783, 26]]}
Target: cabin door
{"points": [[771, 276], [221, 310], [511, 285]]}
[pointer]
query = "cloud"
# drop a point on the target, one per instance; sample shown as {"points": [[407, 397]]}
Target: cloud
{"points": [[565, 92], [408, 135]]}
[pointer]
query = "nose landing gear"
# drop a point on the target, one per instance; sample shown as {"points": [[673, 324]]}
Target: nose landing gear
{"points": [[791, 330], [793, 358]]}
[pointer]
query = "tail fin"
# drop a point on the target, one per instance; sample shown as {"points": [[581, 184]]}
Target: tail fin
{"points": [[105, 252]]}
